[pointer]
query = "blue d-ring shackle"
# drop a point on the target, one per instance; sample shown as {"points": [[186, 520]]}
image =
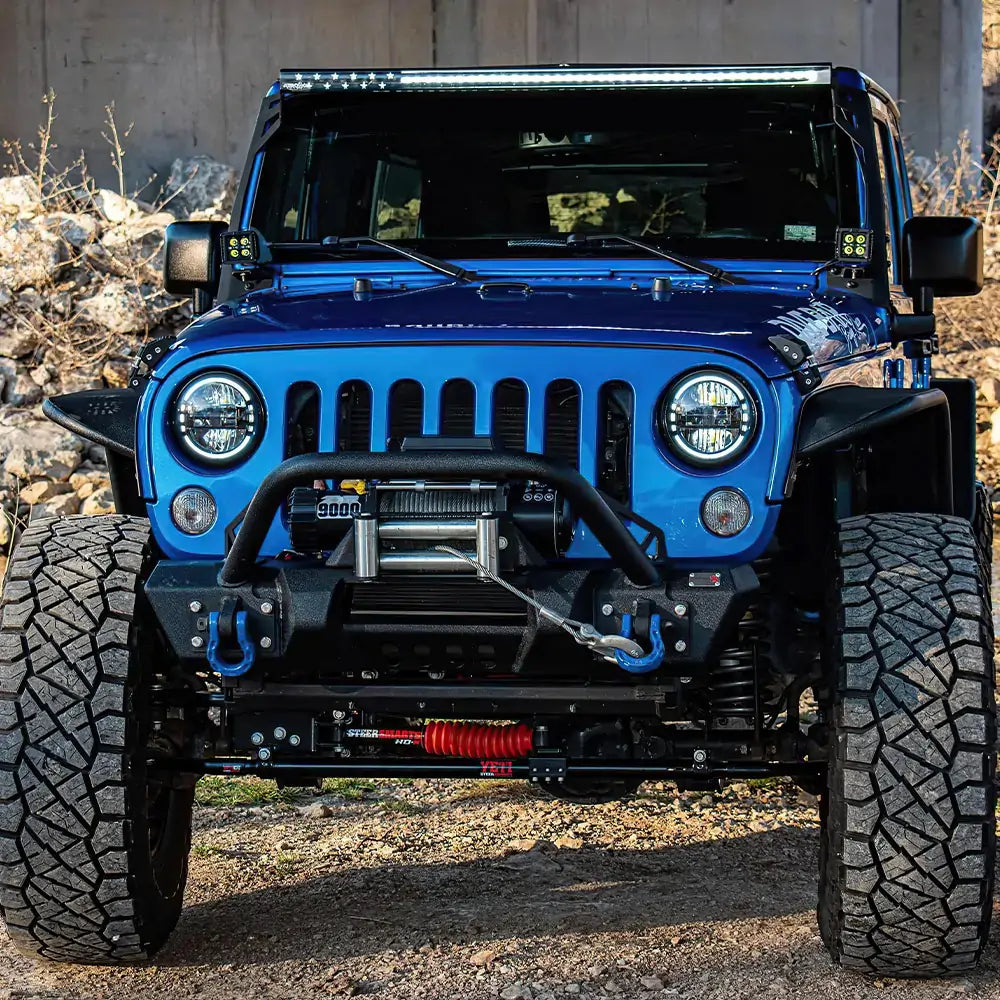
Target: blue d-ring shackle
{"points": [[223, 666], [649, 662]]}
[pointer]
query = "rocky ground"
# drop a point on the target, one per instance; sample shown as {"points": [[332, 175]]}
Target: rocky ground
{"points": [[465, 890]]}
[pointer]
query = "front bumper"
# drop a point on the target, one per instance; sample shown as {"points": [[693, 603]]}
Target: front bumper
{"points": [[311, 617]]}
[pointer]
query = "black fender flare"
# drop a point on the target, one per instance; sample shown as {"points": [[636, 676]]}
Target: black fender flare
{"points": [[105, 416], [108, 418], [840, 415]]}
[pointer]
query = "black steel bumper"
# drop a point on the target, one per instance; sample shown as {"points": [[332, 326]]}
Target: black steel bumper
{"points": [[320, 623], [494, 466]]}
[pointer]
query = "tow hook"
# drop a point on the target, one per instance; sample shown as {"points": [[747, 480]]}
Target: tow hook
{"points": [[227, 628]]}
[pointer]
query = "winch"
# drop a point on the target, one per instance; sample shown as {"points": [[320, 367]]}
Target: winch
{"points": [[397, 523]]}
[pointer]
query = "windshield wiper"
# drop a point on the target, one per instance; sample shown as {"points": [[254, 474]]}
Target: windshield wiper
{"points": [[585, 239], [357, 242]]}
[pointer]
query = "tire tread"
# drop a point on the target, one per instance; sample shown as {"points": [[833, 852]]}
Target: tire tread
{"points": [[906, 883]]}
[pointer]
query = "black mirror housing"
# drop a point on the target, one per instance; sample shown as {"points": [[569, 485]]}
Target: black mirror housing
{"points": [[192, 257], [942, 255]]}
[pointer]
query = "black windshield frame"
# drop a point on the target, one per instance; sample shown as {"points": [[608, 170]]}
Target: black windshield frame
{"points": [[453, 121]]}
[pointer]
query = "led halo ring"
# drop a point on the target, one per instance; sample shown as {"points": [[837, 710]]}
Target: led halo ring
{"points": [[743, 401], [183, 418]]}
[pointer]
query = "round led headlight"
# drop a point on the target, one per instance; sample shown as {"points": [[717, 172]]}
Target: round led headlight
{"points": [[193, 510], [217, 418], [708, 417]]}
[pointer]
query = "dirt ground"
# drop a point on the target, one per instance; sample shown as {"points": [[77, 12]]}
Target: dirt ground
{"points": [[467, 890]]}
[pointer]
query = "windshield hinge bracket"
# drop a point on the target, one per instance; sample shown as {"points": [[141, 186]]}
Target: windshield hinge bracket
{"points": [[797, 356]]}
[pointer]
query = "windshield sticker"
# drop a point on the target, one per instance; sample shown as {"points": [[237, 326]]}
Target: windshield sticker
{"points": [[802, 233], [823, 328]]}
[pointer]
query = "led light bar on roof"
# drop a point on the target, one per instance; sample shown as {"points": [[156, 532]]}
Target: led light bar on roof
{"points": [[549, 78]]}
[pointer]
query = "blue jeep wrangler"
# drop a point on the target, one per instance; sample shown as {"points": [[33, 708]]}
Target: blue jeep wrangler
{"points": [[573, 424]]}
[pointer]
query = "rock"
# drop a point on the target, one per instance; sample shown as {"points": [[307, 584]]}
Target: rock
{"points": [[139, 239], [118, 307], [79, 379], [101, 502], [525, 844], [482, 959], [19, 341], [20, 389], [113, 207], [200, 184], [33, 449], [568, 842], [995, 427], [43, 490], [20, 194], [89, 479], [515, 992], [317, 811], [75, 228], [60, 506], [6, 530], [572, 989], [29, 255], [651, 983], [42, 375], [116, 372], [989, 389]]}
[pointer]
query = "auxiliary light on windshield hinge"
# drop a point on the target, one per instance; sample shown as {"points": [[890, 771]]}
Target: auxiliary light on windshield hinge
{"points": [[547, 78], [240, 247], [854, 246]]}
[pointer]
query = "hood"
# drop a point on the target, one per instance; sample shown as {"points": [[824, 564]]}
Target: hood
{"points": [[695, 314]]}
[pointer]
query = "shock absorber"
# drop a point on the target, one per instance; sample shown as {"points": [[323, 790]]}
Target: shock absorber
{"points": [[734, 681], [472, 739], [459, 739]]}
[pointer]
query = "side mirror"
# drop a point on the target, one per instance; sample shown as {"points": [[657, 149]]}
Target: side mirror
{"points": [[192, 259], [942, 255]]}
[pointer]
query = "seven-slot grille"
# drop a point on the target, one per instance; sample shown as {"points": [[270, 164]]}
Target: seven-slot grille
{"points": [[558, 409]]}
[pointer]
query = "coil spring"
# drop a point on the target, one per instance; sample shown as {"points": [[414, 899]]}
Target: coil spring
{"points": [[470, 739], [733, 683]]}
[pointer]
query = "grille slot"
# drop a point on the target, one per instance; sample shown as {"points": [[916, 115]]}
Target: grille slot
{"points": [[301, 419], [616, 407], [406, 410], [562, 422], [510, 414], [458, 408], [354, 416]]}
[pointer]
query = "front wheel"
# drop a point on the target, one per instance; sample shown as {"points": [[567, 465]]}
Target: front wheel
{"points": [[908, 840], [93, 850]]}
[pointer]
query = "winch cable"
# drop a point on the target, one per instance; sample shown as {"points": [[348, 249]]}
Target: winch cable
{"points": [[583, 633]]}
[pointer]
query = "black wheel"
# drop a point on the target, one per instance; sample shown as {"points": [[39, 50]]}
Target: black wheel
{"points": [[906, 863], [93, 856]]}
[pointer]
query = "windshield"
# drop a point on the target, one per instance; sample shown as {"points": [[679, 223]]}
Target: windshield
{"points": [[720, 172]]}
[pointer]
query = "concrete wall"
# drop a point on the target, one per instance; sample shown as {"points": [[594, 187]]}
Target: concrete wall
{"points": [[190, 73]]}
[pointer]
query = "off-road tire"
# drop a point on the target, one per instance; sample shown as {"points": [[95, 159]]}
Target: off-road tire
{"points": [[908, 840], [92, 862], [982, 522]]}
